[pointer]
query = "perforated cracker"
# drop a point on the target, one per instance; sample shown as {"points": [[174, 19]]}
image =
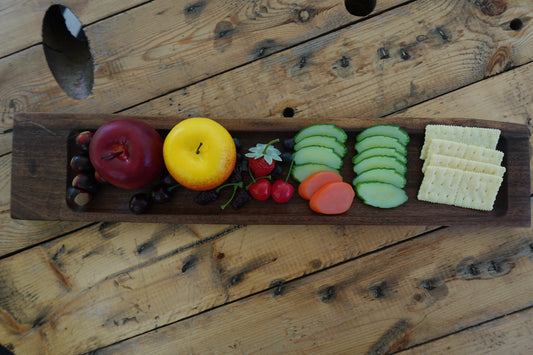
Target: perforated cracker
{"points": [[482, 137], [477, 191], [440, 185], [465, 151], [463, 164]]}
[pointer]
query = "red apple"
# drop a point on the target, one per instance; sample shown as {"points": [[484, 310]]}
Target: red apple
{"points": [[127, 153]]}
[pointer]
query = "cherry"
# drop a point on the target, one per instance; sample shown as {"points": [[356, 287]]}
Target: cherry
{"points": [[282, 191], [260, 190]]}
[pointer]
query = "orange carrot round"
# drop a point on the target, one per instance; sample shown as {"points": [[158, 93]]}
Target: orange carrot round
{"points": [[314, 182], [333, 198]]}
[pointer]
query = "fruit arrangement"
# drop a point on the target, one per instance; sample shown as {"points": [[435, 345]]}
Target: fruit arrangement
{"points": [[199, 154], [380, 166]]}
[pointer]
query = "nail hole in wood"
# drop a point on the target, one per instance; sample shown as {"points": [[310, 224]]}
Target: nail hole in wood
{"points": [[67, 52], [516, 24], [327, 294], [189, 263], [360, 7], [288, 112], [383, 53]]}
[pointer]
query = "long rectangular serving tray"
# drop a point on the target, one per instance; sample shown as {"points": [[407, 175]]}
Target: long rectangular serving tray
{"points": [[42, 147]]}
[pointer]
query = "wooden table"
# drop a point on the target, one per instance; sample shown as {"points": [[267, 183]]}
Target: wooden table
{"points": [[100, 287]]}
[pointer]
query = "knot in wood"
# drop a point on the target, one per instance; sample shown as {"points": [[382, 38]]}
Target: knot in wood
{"points": [[304, 15]]}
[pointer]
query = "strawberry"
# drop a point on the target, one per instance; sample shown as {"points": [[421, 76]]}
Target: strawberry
{"points": [[262, 158]]}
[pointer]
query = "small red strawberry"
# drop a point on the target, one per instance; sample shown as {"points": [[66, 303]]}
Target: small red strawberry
{"points": [[262, 158]]}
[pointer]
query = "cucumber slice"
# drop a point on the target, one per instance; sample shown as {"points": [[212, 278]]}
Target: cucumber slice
{"points": [[389, 176], [318, 155], [380, 194], [385, 130], [391, 152], [322, 130], [380, 141], [324, 141], [379, 161], [303, 171]]}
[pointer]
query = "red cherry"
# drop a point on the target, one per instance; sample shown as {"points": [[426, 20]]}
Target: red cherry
{"points": [[282, 191], [260, 190]]}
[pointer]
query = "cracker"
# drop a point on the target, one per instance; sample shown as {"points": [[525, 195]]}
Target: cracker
{"points": [[440, 185], [477, 191], [482, 137], [463, 164], [465, 151]]}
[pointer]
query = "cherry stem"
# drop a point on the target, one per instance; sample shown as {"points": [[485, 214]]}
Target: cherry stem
{"points": [[289, 172], [269, 144], [173, 187], [112, 155], [268, 177], [198, 149], [235, 185]]}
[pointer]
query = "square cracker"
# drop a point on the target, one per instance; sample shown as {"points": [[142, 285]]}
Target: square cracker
{"points": [[477, 191], [440, 185], [482, 137]]}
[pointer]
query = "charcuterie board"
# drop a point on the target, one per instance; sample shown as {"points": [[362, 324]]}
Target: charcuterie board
{"points": [[42, 147]]}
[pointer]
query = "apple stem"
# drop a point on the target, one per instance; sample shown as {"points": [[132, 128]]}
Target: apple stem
{"points": [[269, 144], [112, 155], [198, 149]]}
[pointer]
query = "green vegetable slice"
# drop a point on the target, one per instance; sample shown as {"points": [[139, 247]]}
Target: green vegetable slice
{"points": [[302, 171], [324, 141], [322, 130], [380, 141], [385, 130], [380, 194], [391, 152], [389, 176], [318, 155], [380, 161]]}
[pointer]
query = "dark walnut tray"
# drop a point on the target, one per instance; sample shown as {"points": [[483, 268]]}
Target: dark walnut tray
{"points": [[42, 147]]}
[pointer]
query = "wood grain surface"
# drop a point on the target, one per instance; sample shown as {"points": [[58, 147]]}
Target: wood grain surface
{"points": [[166, 288]]}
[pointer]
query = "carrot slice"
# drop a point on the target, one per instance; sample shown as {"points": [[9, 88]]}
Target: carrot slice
{"points": [[333, 198], [314, 182]]}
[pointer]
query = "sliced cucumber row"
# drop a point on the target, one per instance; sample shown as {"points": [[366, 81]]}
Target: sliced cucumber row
{"points": [[319, 147], [380, 165]]}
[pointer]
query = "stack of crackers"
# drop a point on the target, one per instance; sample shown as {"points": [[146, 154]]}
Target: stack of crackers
{"points": [[461, 166]]}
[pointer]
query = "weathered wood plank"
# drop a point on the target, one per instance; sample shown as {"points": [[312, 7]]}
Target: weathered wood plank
{"points": [[126, 279], [18, 234], [21, 20], [503, 97], [404, 295], [137, 60], [449, 45], [508, 335]]}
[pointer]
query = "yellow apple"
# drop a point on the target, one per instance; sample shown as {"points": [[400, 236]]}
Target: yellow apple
{"points": [[199, 153]]}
